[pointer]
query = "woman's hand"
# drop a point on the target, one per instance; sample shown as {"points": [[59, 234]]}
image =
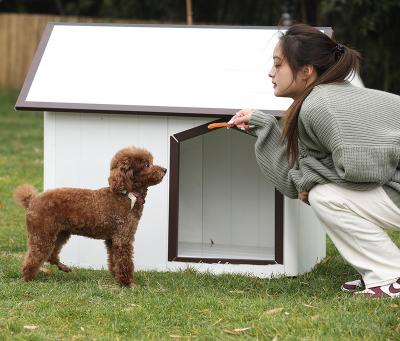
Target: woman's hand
{"points": [[303, 196], [241, 119]]}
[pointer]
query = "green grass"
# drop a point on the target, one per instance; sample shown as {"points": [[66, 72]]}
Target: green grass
{"points": [[89, 305], [21, 161]]}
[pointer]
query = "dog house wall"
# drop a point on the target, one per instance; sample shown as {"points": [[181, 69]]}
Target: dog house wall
{"points": [[100, 94], [78, 149]]}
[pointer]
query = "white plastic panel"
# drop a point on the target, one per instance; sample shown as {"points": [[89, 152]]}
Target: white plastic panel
{"points": [[83, 147], [78, 151], [158, 66]]}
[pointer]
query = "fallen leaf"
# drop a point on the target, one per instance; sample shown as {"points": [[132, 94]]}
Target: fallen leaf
{"points": [[218, 321], [131, 307], [181, 290], [83, 329], [203, 310], [160, 290], [128, 309], [308, 305], [77, 337], [236, 331], [275, 338], [286, 313], [393, 305], [182, 336], [31, 327], [237, 292], [273, 311], [315, 317], [230, 332], [45, 270]]}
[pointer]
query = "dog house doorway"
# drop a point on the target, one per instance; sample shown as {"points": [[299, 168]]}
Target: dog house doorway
{"points": [[222, 210]]}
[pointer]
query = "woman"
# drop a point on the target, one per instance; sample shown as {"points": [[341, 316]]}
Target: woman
{"points": [[339, 151]]}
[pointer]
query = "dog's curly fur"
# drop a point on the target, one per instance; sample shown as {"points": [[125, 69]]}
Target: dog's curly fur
{"points": [[52, 216]]}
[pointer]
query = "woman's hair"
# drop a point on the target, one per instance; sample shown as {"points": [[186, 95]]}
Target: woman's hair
{"points": [[305, 45]]}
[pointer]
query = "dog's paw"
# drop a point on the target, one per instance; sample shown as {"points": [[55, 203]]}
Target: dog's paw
{"points": [[63, 267], [127, 284]]}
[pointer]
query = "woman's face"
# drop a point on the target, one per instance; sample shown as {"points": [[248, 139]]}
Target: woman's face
{"points": [[285, 84]]}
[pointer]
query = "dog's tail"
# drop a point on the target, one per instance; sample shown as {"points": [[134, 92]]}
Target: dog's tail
{"points": [[23, 195]]}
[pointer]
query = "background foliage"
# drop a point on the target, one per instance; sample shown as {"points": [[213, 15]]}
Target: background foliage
{"points": [[366, 25]]}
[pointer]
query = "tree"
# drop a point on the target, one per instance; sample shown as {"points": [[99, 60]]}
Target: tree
{"points": [[370, 27]]}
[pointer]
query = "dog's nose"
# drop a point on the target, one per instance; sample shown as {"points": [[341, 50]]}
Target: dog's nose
{"points": [[164, 170]]}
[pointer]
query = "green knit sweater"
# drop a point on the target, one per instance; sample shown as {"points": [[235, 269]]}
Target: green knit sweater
{"points": [[347, 135]]}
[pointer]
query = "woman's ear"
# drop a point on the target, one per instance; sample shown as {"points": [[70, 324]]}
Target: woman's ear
{"points": [[308, 72], [116, 180]]}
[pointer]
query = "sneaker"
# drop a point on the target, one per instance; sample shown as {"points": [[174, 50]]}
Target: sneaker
{"points": [[353, 286], [389, 290]]}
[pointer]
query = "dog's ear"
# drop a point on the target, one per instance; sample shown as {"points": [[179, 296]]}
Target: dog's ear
{"points": [[116, 180]]}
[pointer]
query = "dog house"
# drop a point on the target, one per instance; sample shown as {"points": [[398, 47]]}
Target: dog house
{"points": [[105, 87]]}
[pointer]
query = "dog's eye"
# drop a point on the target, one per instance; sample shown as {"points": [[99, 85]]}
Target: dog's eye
{"points": [[148, 165]]}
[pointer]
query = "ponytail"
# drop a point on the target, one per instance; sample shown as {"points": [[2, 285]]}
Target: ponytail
{"points": [[304, 45]]}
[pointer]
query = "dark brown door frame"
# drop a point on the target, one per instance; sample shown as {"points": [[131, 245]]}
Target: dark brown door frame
{"points": [[175, 141]]}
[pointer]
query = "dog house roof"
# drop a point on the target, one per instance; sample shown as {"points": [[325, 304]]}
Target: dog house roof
{"points": [[150, 69]]}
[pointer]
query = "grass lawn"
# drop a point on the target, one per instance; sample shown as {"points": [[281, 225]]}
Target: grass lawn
{"points": [[89, 305]]}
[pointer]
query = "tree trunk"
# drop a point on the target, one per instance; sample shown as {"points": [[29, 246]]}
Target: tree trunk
{"points": [[189, 12]]}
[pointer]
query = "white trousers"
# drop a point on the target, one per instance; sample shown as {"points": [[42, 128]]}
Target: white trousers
{"points": [[355, 222]]}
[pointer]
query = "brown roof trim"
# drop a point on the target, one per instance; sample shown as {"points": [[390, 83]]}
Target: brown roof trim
{"points": [[21, 101], [328, 31], [23, 104], [129, 109], [235, 27]]}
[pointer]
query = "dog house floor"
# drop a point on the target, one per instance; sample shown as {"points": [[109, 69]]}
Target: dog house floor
{"points": [[212, 250]]}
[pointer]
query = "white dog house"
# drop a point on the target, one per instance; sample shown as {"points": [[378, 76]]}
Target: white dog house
{"points": [[105, 87]]}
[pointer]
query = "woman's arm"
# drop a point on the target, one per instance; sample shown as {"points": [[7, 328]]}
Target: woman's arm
{"points": [[270, 153], [272, 160]]}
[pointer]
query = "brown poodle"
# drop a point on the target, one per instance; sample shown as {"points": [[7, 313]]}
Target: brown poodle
{"points": [[109, 213]]}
